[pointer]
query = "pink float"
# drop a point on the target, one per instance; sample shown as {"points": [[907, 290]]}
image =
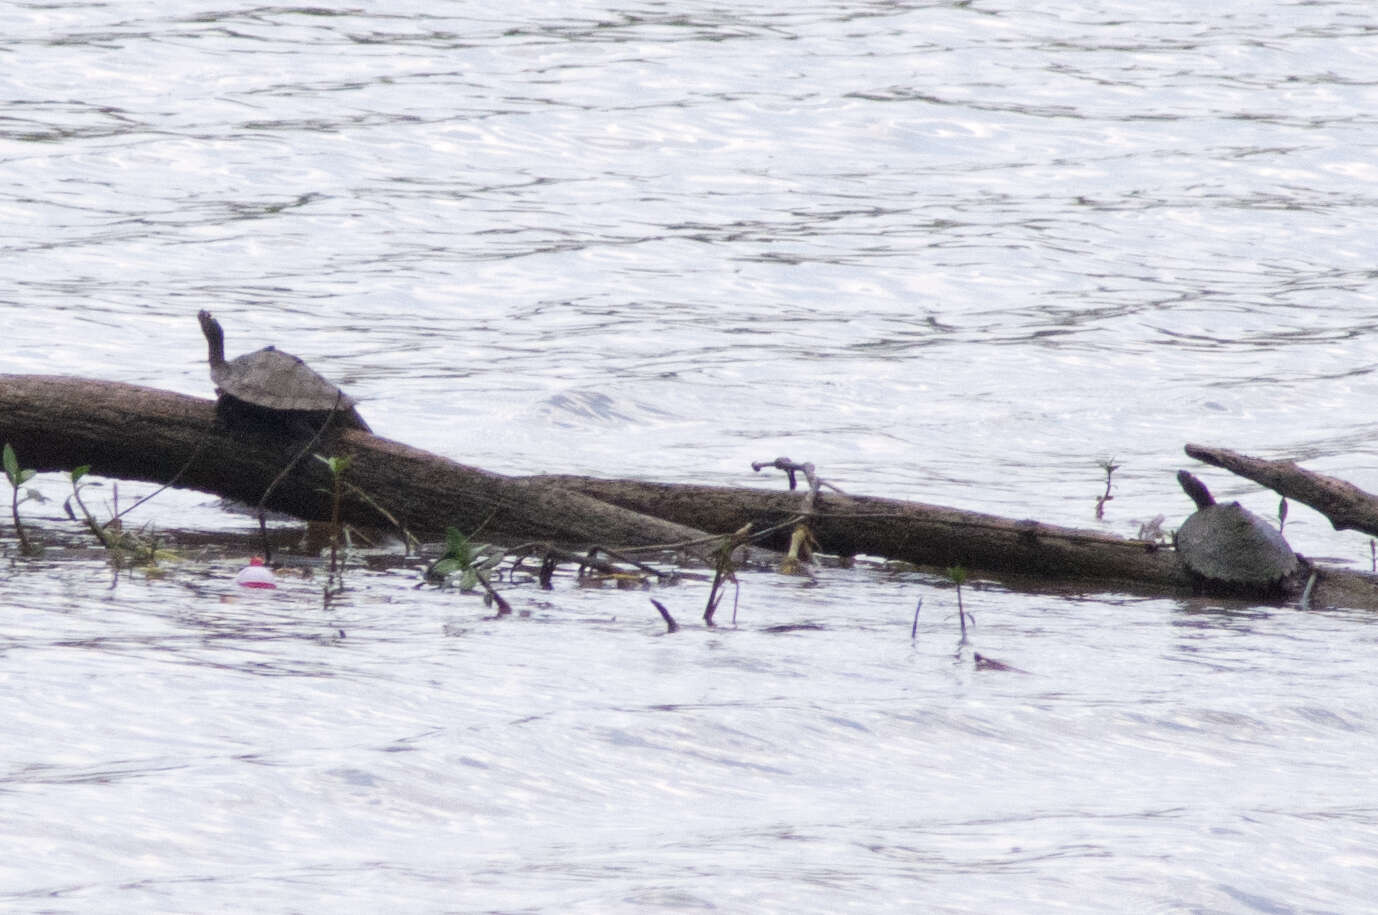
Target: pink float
{"points": [[255, 575]]}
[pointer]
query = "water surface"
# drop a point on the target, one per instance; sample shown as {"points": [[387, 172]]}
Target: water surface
{"points": [[957, 252]]}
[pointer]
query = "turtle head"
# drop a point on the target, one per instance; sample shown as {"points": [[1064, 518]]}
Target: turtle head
{"points": [[215, 337], [1193, 487]]}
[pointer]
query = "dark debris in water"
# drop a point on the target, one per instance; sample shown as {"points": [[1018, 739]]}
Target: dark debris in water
{"points": [[985, 663]]}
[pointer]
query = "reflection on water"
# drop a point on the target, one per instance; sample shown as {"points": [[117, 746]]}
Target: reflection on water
{"points": [[957, 252]]}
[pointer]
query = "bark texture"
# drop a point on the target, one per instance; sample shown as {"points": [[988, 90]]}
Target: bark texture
{"points": [[136, 433], [125, 431]]}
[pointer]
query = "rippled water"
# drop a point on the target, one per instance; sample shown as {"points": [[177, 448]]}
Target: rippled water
{"points": [[951, 251]]}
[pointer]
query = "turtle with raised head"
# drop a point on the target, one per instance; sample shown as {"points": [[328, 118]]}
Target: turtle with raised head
{"points": [[272, 384], [1229, 549]]}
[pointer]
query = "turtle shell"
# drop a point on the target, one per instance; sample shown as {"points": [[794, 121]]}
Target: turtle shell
{"points": [[279, 381], [1227, 543]]}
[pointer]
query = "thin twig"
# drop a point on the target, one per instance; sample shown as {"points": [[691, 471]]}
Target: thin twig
{"points": [[725, 570], [670, 624], [282, 475], [409, 540], [205, 439], [504, 608], [648, 569]]}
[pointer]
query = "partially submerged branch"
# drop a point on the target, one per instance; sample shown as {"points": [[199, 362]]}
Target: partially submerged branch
{"points": [[138, 433], [927, 535], [131, 432], [1346, 506]]}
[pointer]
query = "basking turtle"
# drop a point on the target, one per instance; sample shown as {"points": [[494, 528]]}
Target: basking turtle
{"points": [[1228, 548], [275, 385]]}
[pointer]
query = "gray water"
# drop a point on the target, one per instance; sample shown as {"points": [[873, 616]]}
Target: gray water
{"points": [[957, 252]]}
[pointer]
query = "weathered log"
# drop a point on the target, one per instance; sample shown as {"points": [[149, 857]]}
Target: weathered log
{"points": [[131, 432], [1346, 506], [929, 535], [934, 536], [138, 433]]}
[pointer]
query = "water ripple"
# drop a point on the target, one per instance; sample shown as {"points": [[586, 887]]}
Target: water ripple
{"points": [[958, 252]]}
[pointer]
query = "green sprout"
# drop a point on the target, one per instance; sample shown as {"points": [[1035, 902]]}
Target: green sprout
{"points": [[18, 477], [460, 558], [337, 467], [470, 562], [121, 544]]}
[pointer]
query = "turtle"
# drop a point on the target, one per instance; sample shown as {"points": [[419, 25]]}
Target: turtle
{"points": [[269, 384], [1229, 549]]}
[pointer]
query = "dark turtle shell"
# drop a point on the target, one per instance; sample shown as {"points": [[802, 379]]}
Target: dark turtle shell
{"points": [[1228, 543], [274, 380], [279, 381]]}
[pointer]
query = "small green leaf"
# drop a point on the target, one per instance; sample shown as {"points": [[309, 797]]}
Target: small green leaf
{"points": [[79, 472], [444, 568], [458, 548], [25, 476], [336, 465], [11, 464]]}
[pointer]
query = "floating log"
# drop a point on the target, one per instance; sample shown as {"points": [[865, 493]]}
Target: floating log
{"points": [[137, 433], [131, 432], [928, 535]]}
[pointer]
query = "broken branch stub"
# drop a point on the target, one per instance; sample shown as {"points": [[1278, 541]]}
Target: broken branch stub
{"points": [[1345, 505]]}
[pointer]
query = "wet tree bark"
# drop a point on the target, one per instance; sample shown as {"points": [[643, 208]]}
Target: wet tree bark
{"points": [[1027, 554], [929, 535], [137, 433], [129, 432]]}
